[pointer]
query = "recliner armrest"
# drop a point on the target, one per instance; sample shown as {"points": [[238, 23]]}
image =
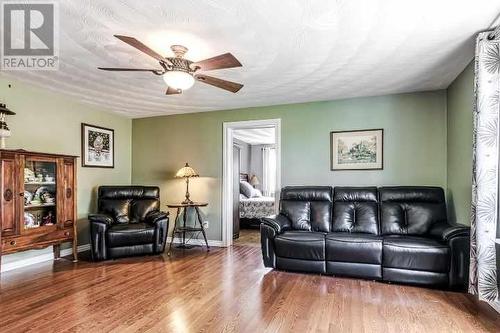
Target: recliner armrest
{"points": [[101, 218], [278, 222], [156, 216], [445, 231]]}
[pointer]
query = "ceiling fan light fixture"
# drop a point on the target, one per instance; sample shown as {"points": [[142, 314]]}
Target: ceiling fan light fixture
{"points": [[178, 79]]}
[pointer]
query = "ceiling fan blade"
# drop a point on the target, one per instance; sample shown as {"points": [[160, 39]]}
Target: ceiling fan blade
{"points": [[172, 91], [219, 83], [226, 60], [128, 69], [141, 47]]}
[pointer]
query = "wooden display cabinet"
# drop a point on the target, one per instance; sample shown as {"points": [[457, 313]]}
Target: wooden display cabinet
{"points": [[37, 201]]}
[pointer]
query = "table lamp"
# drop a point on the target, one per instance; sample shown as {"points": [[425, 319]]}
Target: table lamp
{"points": [[254, 181], [186, 172]]}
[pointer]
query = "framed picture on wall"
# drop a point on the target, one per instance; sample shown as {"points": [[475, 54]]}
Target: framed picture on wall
{"points": [[357, 150], [98, 146]]}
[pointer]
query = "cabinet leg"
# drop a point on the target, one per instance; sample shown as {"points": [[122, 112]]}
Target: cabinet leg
{"points": [[57, 251], [75, 251]]}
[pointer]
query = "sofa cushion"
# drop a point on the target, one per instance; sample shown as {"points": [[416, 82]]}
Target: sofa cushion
{"points": [[298, 212], [355, 209], [408, 210], [128, 192], [320, 199], [301, 245], [415, 253], [140, 208], [130, 234], [118, 209], [354, 248]]}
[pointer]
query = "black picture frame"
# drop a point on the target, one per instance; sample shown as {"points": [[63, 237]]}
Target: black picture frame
{"points": [[379, 131], [85, 146]]}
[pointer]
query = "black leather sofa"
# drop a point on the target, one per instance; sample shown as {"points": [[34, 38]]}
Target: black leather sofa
{"points": [[129, 222], [396, 234]]}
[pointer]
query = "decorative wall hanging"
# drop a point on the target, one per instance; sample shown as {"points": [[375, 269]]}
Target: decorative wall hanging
{"points": [[357, 150], [97, 146]]}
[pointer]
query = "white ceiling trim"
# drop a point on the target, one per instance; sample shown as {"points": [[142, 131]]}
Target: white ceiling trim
{"points": [[256, 136]]}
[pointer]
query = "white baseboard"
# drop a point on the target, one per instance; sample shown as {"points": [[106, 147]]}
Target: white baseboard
{"points": [[40, 258], [5, 267], [197, 241]]}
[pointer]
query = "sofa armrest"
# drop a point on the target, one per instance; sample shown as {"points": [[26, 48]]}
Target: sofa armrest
{"points": [[278, 222], [160, 220], [156, 216], [101, 218], [445, 231], [99, 224]]}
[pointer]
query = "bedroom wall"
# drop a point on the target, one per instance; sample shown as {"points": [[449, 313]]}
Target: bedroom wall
{"points": [[415, 145], [460, 101], [245, 155], [50, 122]]}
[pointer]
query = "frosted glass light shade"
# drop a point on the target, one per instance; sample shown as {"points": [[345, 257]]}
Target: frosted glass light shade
{"points": [[178, 80], [4, 133]]}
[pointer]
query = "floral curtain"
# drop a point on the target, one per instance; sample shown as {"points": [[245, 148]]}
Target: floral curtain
{"points": [[485, 233]]}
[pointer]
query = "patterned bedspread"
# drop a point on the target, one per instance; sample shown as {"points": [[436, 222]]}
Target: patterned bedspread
{"points": [[254, 208]]}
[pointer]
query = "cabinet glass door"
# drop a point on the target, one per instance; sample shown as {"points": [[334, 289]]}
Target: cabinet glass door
{"points": [[40, 189]]}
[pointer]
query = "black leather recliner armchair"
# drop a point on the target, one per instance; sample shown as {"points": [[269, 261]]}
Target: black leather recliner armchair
{"points": [[396, 234], [129, 222]]}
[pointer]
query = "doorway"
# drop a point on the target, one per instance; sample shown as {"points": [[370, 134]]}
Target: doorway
{"points": [[251, 177]]}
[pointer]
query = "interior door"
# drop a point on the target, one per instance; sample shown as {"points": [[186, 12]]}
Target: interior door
{"points": [[11, 194], [236, 192]]}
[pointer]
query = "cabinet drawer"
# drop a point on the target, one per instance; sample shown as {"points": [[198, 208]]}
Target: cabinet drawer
{"points": [[12, 244]]}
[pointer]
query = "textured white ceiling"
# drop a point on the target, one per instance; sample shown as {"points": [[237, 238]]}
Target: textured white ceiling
{"points": [[291, 51], [256, 136]]}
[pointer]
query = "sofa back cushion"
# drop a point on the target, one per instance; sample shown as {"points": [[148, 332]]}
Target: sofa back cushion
{"points": [[139, 208], [308, 207], [355, 209], [128, 204], [410, 210]]}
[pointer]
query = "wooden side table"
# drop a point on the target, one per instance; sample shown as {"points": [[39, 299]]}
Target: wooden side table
{"points": [[183, 229]]}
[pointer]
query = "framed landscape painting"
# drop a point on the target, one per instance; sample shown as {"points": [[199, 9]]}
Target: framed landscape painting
{"points": [[98, 146], [357, 150]]}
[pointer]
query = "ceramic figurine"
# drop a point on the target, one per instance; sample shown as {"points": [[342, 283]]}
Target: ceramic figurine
{"points": [[48, 220]]}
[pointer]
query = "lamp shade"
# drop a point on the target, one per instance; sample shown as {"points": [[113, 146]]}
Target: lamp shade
{"points": [[254, 180], [186, 172]]}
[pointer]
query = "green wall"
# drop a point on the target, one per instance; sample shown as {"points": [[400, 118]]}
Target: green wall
{"points": [[414, 153], [460, 100], [427, 142], [49, 122]]}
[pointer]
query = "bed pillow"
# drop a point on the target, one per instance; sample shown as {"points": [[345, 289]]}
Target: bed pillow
{"points": [[256, 193], [246, 189], [243, 197]]}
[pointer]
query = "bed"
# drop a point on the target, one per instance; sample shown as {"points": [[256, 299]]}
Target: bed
{"points": [[253, 208]]}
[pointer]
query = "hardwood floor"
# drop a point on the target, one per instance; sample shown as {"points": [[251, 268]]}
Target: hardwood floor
{"points": [[248, 237], [226, 290]]}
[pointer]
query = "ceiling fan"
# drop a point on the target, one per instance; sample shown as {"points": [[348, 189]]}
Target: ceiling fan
{"points": [[179, 73]]}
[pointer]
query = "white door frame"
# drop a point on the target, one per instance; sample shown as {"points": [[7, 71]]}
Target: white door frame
{"points": [[227, 173]]}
